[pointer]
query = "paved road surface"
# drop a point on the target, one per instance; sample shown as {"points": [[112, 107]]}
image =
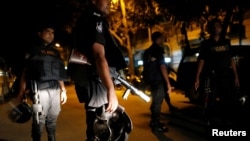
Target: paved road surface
{"points": [[71, 122]]}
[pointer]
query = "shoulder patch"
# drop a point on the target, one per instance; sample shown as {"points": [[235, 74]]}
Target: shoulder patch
{"points": [[99, 26]]}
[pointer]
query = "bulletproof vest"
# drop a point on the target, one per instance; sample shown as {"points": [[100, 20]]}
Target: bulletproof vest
{"points": [[45, 64]]}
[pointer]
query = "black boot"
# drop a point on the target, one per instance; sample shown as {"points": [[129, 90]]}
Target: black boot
{"points": [[36, 132], [157, 126], [51, 131], [36, 138], [51, 137]]}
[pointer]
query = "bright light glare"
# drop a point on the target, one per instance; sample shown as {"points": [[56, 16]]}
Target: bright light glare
{"points": [[115, 1], [196, 54], [57, 44], [167, 59], [140, 62]]}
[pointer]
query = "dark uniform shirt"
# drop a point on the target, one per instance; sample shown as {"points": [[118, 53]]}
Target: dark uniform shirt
{"points": [[217, 55], [153, 57], [93, 28]]}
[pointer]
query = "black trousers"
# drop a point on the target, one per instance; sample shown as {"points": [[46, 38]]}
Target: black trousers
{"points": [[220, 96], [158, 95]]}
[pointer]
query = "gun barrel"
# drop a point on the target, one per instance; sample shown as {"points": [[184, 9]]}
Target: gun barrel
{"points": [[133, 89]]}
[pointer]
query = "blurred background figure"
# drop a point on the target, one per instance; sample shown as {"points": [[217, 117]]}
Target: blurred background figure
{"points": [[216, 63]]}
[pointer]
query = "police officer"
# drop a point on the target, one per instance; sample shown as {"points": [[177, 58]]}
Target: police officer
{"points": [[96, 89], [217, 65], [155, 75], [44, 71]]}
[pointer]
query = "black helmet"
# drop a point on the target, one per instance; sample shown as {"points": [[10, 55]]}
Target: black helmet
{"points": [[21, 113], [111, 126]]}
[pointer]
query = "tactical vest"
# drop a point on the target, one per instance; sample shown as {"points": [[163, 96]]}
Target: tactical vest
{"points": [[45, 65]]}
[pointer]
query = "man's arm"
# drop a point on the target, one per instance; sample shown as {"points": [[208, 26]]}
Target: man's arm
{"points": [[22, 85], [199, 69], [103, 72], [164, 72], [236, 81], [63, 92]]}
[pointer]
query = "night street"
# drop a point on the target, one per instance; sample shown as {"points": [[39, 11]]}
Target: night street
{"points": [[184, 125], [185, 24]]}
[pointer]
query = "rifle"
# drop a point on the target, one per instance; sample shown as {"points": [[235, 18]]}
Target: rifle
{"points": [[36, 106], [129, 88], [80, 58]]}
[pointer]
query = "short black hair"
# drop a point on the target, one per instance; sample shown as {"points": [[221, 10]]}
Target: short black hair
{"points": [[156, 35], [43, 25], [212, 23]]}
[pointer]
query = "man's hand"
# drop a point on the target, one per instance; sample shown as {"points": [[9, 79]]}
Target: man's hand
{"points": [[112, 102], [196, 84], [63, 97], [169, 88], [236, 82], [21, 97]]}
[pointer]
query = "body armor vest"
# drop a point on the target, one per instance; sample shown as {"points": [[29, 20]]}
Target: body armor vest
{"points": [[46, 65]]}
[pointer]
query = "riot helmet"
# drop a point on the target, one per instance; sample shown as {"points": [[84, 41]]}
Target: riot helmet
{"points": [[111, 126], [21, 113]]}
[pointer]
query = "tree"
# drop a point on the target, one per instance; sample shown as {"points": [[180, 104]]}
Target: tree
{"points": [[142, 14], [135, 15], [203, 11]]}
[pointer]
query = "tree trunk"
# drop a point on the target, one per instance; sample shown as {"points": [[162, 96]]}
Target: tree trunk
{"points": [[128, 45]]}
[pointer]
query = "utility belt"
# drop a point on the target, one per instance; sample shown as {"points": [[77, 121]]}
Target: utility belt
{"points": [[43, 84], [221, 72]]}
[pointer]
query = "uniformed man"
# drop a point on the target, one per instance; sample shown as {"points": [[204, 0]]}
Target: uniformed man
{"points": [[93, 83], [155, 75], [44, 69], [217, 66]]}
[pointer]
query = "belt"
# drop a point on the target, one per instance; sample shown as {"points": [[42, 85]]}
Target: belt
{"points": [[45, 84]]}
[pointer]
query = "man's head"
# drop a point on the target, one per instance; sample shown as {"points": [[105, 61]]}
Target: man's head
{"points": [[102, 5], [158, 38], [215, 27], [46, 33]]}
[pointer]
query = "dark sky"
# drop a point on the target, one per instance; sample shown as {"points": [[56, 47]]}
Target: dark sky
{"points": [[18, 21]]}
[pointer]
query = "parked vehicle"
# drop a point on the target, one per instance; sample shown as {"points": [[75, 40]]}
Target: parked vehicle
{"points": [[243, 63], [6, 80], [186, 73]]}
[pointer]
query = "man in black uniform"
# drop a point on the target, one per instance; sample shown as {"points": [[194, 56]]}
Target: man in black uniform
{"points": [[216, 63], [155, 75], [93, 83]]}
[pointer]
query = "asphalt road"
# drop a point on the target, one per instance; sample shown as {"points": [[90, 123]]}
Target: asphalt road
{"points": [[184, 125]]}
